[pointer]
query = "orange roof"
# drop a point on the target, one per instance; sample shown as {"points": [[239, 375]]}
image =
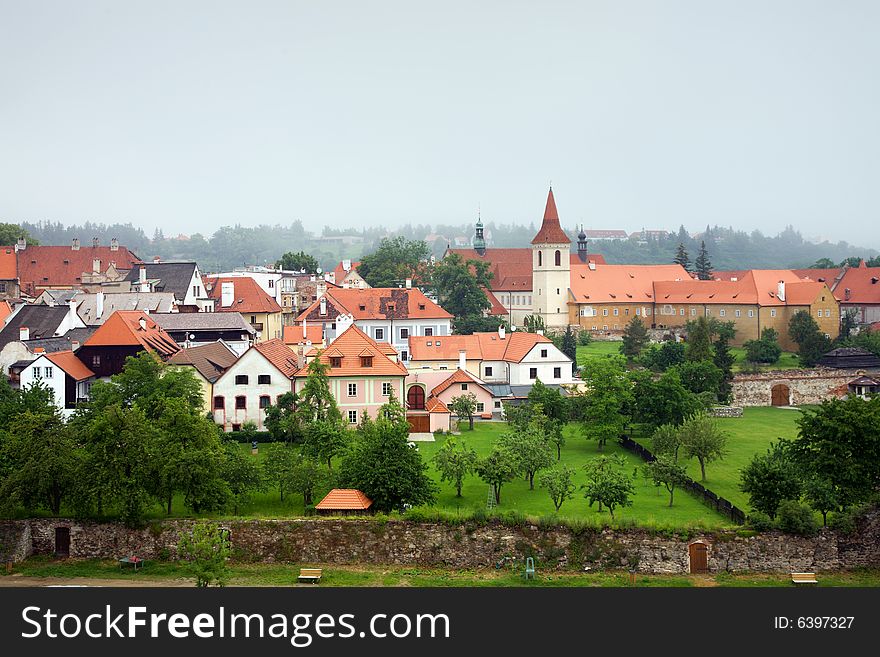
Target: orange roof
{"points": [[621, 283], [339, 272], [551, 232], [434, 405], [124, 328], [459, 376], [804, 293], [827, 276], [8, 268], [249, 297], [5, 311], [696, 291], [863, 283], [351, 346], [497, 308], [294, 334], [345, 499], [478, 346], [753, 287], [375, 303], [47, 266], [70, 364], [512, 268], [280, 355]]}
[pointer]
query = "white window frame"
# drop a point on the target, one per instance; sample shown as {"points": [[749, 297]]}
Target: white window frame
{"points": [[353, 416], [352, 389]]}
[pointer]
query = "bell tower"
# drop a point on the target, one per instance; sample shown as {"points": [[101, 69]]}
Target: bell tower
{"points": [[551, 269]]}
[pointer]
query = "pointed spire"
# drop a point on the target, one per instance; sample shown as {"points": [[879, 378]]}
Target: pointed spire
{"points": [[551, 232]]}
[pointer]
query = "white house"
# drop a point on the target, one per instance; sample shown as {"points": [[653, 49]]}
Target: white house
{"points": [[182, 278], [252, 384], [68, 378]]}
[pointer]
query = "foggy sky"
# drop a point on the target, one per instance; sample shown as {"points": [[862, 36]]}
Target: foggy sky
{"points": [[191, 115]]}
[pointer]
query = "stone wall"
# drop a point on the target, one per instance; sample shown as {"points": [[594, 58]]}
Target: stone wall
{"points": [[476, 545], [726, 411], [805, 386], [15, 541]]}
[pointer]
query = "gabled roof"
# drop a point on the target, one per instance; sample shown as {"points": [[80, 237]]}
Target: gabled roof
{"points": [[171, 277], [152, 302], [350, 346], [497, 309], [459, 376], [513, 347], [620, 283], [849, 357], [5, 311], [71, 365], [293, 334], [375, 303], [249, 297], [41, 321], [8, 268], [339, 272], [757, 287], [863, 283], [827, 276], [551, 232], [123, 328], [173, 322], [345, 499], [434, 405], [211, 360], [62, 265], [62, 342], [280, 355]]}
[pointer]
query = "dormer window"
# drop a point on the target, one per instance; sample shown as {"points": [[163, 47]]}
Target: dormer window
{"points": [[421, 306], [362, 307], [335, 361], [366, 361]]}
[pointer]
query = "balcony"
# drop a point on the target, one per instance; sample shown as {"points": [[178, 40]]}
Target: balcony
{"points": [[258, 326]]}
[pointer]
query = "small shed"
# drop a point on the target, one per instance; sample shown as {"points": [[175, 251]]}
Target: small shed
{"points": [[864, 386], [850, 358], [345, 501]]}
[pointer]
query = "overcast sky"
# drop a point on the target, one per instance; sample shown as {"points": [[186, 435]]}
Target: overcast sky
{"points": [[191, 115]]}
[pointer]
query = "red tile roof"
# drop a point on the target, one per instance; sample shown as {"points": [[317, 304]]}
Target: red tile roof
{"points": [[8, 267], [863, 284], [827, 276], [294, 334], [249, 297], [5, 311], [339, 272], [620, 283], [351, 346], [551, 232], [124, 328], [434, 405], [71, 365], [478, 346], [496, 309], [280, 355], [376, 303], [754, 287], [459, 376], [47, 266], [345, 499]]}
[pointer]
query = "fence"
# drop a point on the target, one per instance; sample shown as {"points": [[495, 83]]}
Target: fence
{"points": [[710, 499]]}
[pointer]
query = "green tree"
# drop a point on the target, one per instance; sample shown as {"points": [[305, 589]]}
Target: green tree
{"points": [[724, 359], [533, 323], [559, 482], [460, 285], [497, 469], [529, 448], [455, 461], [569, 346], [661, 357], [381, 463], [306, 477], [242, 474], [278, 465], [823, 263], [584, 338], [812, 343], [396, 260], [681, 257], [9, 234], [702, 265], [300, 261], [703, 439], [326, 438], [601, 409], [699, 340], [666, 441], [206, 549], [316, 402], [464, 406], [607, 484], [821, 495], [552, 403], [664, 471], [770, 478], [477, 324], [764, 350], [699, 376], [662, 401], [635, 337], [283, 422]]}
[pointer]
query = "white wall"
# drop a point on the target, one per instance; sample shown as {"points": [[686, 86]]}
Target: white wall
{"points": [[55, 382], [252, 364], [519, 372]]}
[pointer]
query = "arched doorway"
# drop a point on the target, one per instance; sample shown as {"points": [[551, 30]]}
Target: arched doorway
{"points": [[698, 556], [780, 395], [415, 398]]}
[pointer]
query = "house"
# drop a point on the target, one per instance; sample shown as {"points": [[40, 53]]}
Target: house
{"points": [[125, 333], [95, 308], [858, 291], [346, 274], [363, 373], [67, 377], [9, 288], [268, 278], [43, 267], [304, 335], [850, 358], [298, 292], [423, 386], [344, 502], [15, 355], [602, 235], [864, 386], [386, 314], [208, 362], [30, 322], [242, 294], [182, 279], [194, 329], [253, 383]]}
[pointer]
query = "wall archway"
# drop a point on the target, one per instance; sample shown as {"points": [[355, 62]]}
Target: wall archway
{"points": [[698, 557], [780, 395], [415, 398]]}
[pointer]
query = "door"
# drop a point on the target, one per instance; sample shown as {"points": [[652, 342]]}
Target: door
{"points": [[699, 557], [419, 423], [779, 395], [62, 541], [415, 398]]}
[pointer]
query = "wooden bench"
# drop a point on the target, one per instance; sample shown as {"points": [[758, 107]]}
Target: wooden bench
{"points": [[135, 562], [312, 575], [806, 579]]}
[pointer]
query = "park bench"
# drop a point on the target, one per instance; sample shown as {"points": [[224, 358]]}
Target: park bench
{"points": [[134, 562], [312, 575], [806, 579]]}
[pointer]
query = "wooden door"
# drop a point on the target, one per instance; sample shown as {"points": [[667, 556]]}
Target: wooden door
{"points": [[419, 423], [415, 398], [699, 557], [779, 395], [62, 541]]}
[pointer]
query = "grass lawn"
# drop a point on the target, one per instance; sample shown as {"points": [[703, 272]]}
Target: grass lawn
{"points": [[649, 504], [598, 349], [787, 361], [747, 435], [105, 573]]}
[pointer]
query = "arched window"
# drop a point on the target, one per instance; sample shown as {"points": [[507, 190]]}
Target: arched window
{"points": [[540, 258], [415, 398], [558, 258]]}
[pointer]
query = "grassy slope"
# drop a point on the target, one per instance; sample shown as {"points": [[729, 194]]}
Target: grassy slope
{"points": [[600, 349]]}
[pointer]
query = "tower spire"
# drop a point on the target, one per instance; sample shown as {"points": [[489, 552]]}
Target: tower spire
{"points": [[551, 232]]}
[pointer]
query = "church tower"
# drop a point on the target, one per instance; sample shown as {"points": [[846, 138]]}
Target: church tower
{"points": [[479, 240], [551, 269]]}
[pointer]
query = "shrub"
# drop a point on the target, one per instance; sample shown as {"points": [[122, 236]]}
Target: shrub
{"points": [[760, 522], [765, 350], [797, 518], [584, 337], [843, 522]]}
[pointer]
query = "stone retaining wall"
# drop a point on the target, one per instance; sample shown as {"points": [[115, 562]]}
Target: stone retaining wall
{"points": [[726, 411], [473, 545], [804, 386]]}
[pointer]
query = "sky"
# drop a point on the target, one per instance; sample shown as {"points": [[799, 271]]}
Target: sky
{"points": [[187, 116]]}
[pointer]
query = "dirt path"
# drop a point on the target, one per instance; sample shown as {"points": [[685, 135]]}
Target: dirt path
{"points": [[24, 581]]}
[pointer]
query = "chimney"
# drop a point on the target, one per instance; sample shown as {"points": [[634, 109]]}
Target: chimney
{"points": [[227, 294], [95, 242], [408, 283], [21, 244], [305, 331], [322, 306], [501, 332], [780, 291], [300, 356], [99, 305], [143, 323], [462, 359], [321, 289], [114, 244], [75, 244], [72, 317], [96, 265], [846, 294], [74, 345], [24, 334], [346, 265], [157, 259]]}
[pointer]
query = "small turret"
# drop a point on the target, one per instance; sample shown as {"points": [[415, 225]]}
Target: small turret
{"points": [[582, 245], [479, 240]]}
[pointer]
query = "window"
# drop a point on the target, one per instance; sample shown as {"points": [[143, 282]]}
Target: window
{"points": [[497, 404], [543, 353], [219, 403], [557, 372], [241, 379], [236, 427], [480, 407], [488, 371], [429, 331], [681, 311], [540, 259], [352, 389], [751, 313], [404, 355], [386, 389], [638, 311], [48, 372], [464, 386], [647, 311], [335, 361], [96, 360], [557, 258], [737, 313], [722, 312], [819, 313], [421, 306], [352, 417], [605, 312], [241, 402], [773, 312], [380, 334], [3, 288], [626, 311], [404, 333], [265, 401], [253, 319], [264, 379], [271, 283], [616, 312], [827, 313], [708, 312], [533, 372], [196, 290], [366, 361]]}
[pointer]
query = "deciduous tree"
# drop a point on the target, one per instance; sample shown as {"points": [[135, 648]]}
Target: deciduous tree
{"points": [[455, 461], [703, 439], [559, 483], [607, 484]]}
